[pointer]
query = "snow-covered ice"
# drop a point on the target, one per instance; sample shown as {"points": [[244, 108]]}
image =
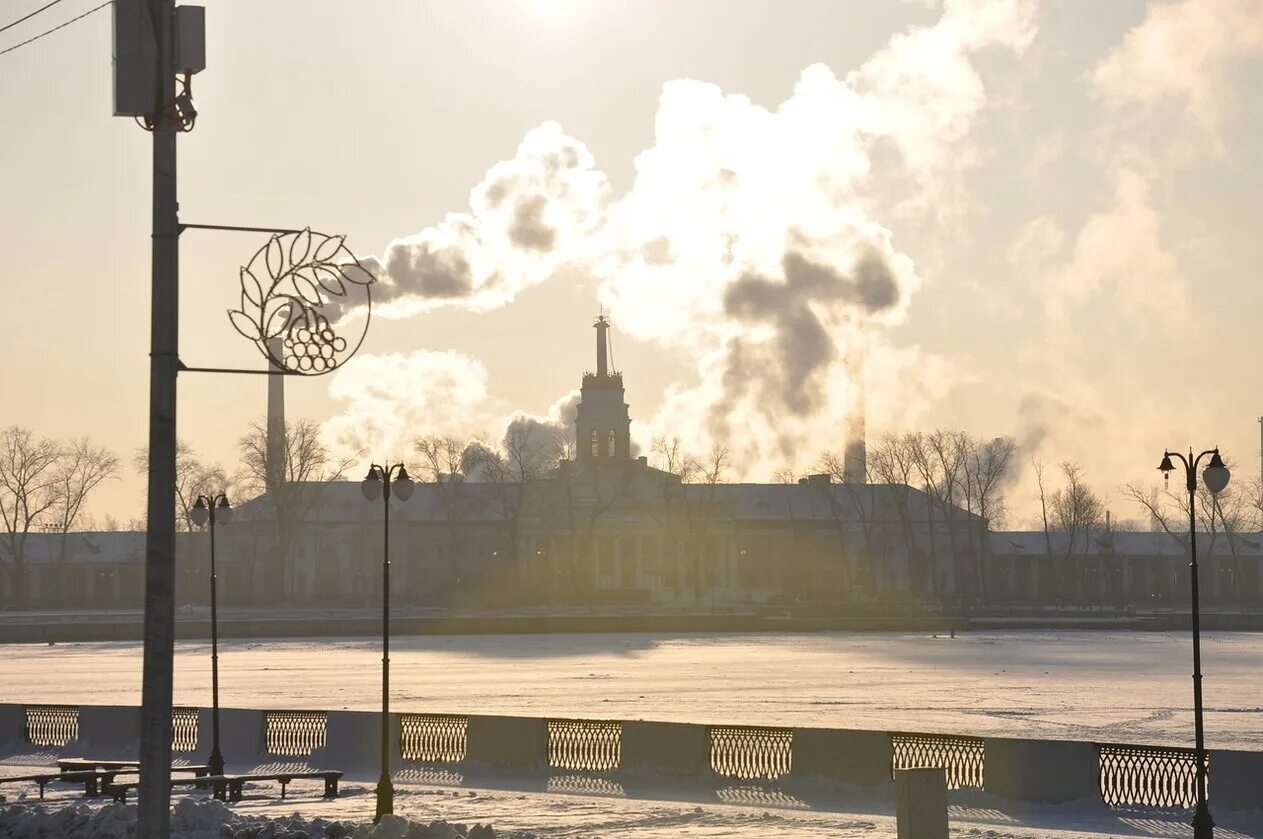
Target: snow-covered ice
{"points": [[1088, 685], [1124, 686]]}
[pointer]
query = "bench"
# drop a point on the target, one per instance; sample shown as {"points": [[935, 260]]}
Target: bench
{"points": [[89, 778], [232, 787], [102, 772]]}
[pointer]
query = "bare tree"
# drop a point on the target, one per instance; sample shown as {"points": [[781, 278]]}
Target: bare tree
{"points": [[308, 468], [785, 475], [1076, 509], [28, 477], [840, 478], [193, 477], [939, 459], [987, 469], [1232, 510], [522, 456], [447, 462], [1039, 466], [697, 509], [893, 464], [81, 469]]}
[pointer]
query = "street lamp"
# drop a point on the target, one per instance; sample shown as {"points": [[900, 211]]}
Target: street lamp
{"points": [[1214, 478], [212, 510], [382, 483]]}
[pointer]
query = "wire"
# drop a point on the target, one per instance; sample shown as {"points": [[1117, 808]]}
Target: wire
{"points": [[59, 26], [28, 17]]}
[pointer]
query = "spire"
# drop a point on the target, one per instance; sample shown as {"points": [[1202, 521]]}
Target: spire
{"points": [[602, 345]]}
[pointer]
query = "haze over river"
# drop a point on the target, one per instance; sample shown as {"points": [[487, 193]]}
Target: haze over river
{"points": [[1090, 685]]}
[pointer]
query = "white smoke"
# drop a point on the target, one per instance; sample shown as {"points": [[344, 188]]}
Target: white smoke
{"points": [[390, 400], [752, 239]]}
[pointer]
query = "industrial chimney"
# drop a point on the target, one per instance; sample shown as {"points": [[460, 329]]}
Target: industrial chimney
{"points": [[855, 455], [276, 419]]}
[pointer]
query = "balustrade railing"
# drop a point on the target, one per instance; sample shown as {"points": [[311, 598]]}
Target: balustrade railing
{"points": [[1128, 776], [183, 730], [52, 725], [961, 757], [294, 733], [584, 745], [751, 752], [433, 738], [1148, 776]]}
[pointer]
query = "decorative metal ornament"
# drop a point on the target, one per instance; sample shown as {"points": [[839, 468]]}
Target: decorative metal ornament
{"points": [[294, 291]]}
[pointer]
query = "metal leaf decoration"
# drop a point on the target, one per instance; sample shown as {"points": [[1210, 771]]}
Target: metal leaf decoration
{"points": [[293, 291]]}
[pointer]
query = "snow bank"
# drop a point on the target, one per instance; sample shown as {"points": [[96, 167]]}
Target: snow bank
{"points": [[211, 819]]}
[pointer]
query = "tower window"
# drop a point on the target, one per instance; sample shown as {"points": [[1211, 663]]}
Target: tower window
{"points": [[611, 442], [596, 445]]}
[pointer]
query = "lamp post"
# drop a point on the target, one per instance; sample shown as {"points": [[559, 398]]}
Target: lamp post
{"points": [[213, 510], [1215, 478], [382, 482]]}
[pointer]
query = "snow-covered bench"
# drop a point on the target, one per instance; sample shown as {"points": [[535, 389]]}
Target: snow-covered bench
{"points": [[235, 784], [105, 770], [88, 777]]}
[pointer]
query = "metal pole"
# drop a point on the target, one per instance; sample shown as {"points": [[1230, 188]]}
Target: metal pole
{"points": [[385, 789], [1203, 824], [154, 792], [216, 762]]}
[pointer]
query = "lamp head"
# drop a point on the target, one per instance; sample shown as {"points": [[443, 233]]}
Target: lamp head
{"points": [[371, 486], [402, 485], [1216, 475], [223, 511], [1166, 467], [200, 514]]}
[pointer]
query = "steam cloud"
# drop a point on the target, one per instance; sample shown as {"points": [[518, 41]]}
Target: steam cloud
{"points": [[750, 239]]}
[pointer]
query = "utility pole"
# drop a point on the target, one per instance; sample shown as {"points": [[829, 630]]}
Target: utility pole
{"points": [[154, 794]]}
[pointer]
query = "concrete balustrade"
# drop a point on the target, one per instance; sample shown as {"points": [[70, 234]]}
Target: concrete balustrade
{"points": [[12, 725], [108, 731], [678, 750], [508, 742], [1047, 771], [855, 757], [241, 735], [1236, 779], [353, 742], [1043, 771]]}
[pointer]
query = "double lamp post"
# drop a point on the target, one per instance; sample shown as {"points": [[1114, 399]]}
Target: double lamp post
{"points": [[212, 510], [383, 482], [1215, 479]]}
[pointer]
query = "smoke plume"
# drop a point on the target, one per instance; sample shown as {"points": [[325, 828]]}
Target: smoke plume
{"points": [[751, 239]]}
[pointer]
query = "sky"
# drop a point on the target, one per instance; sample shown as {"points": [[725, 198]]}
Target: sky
{"points": [[1028, 218]]}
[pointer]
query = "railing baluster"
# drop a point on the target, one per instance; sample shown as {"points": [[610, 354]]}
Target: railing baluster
{"points": [[962, 757], [1148, 776], [751, 752]]}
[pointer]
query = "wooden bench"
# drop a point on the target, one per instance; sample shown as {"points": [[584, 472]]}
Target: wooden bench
{"points": [[72, 764], [88, 777], [104, 771], [231, 787]]}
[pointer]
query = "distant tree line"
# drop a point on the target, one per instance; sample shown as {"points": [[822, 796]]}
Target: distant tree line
{"points": [[44, 486]]}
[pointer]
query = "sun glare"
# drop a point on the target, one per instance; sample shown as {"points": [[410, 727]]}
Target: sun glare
{"points": [[556, 9]]}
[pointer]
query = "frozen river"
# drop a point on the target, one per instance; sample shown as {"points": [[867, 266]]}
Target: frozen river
{"points": [[1104, 686]]}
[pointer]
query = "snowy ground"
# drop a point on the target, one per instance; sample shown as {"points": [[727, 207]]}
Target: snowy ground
{"points": [[1090, 685], [1129, 686], [594, 809]]}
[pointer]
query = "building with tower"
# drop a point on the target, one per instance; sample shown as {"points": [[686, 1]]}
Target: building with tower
{"points": [[603, 525]]}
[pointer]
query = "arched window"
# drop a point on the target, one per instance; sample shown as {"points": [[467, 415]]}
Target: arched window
{"points": [[596, 444], [611, 442]]}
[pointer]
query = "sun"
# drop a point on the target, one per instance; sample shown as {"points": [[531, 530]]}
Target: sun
{"points": [[555, 9]]}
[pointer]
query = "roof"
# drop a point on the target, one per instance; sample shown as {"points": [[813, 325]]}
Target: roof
{"points": [[1122, 543], [82, 547]]}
